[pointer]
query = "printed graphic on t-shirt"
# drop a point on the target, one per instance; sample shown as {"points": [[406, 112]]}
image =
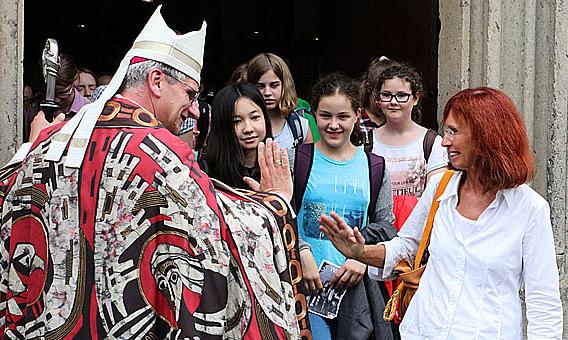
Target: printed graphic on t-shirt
{"points": [[407, 165], [408, 175], [349, 210]]}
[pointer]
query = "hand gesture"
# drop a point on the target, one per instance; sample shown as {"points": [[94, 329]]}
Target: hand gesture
{"points": [[274, 170], [39, 123], [349, 274], [310, 273], [348, 241]]}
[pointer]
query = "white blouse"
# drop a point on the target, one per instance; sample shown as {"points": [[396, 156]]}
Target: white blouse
{"points": [[470, 288]]}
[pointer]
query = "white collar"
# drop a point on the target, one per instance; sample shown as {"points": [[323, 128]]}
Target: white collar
{"points": [[453, 186]]}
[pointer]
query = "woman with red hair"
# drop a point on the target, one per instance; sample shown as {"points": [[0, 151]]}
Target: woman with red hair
{"points": [[491, 235]]}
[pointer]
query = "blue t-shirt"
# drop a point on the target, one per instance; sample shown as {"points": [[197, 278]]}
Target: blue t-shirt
{"points": [[342, 187]]}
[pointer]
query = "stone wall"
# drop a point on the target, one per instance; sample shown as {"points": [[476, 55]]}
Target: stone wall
{"points": [[520, 47], [11, 75]]}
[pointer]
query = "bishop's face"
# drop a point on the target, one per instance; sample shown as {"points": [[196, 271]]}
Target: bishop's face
{"points": [[178, 102]]}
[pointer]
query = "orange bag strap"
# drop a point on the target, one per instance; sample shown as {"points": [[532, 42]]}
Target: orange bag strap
{"points": [[430, 221]]}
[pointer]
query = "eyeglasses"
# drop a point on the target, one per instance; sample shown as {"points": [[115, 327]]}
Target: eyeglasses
{"points": [[450, 132], [401, 97], [65, 93], [192, 93]]}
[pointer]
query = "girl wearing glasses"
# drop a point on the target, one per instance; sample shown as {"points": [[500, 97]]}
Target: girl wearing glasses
{"points": [[401, 140], [239, 123]]}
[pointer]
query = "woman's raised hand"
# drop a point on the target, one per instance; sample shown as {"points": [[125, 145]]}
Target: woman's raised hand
{"points": [[348, 241]]}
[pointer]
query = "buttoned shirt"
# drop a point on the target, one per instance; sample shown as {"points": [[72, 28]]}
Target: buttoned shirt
{"points": [[476, 269]]}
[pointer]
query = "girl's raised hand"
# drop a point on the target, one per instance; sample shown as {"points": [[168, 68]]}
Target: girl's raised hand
{"points": [[275, 173]]}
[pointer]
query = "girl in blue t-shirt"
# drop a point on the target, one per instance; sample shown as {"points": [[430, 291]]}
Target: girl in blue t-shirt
{"points": [[338, 181]]}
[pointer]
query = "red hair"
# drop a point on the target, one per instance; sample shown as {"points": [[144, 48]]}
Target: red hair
{"points": [[502, 158]]}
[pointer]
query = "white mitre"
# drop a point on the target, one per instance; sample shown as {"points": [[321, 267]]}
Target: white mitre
{"points": [[156, 42]]}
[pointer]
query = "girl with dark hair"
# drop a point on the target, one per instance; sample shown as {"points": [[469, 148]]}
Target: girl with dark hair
{"points": [[339, 179], [491, 234], [238, 124], [413, 153]]}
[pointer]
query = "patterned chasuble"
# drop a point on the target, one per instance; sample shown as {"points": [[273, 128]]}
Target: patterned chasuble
{"points": [[137, 244]]}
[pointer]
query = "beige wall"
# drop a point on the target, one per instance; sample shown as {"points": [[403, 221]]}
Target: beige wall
{"points": [[11, 75], [520, 47]]}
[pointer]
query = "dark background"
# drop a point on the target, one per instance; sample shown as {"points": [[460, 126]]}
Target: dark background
{"points": [[314, 36]]}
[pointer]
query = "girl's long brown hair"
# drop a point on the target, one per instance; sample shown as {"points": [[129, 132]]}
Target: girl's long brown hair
{"points": [[265, 62]]}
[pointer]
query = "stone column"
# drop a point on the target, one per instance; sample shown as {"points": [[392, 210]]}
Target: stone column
{"points": [[520, 47], [11, 75]]}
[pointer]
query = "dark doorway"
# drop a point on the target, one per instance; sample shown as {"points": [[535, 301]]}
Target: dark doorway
{"points": [[314, 36]]}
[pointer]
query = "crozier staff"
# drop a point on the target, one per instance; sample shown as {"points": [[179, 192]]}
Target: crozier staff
{"points": [[110, 229]]}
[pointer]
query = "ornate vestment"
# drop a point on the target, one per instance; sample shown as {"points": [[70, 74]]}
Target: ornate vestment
{"points": [[137, 243]]}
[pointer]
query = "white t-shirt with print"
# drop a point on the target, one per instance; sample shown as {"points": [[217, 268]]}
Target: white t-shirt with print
{"points": [[407, 165]]}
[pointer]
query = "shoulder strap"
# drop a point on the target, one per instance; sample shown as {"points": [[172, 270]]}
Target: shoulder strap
{"points": [[428, 143], [376, 173], [302, 169], [368, 139], [295, 125], [202, 125], [202, 160], [430, 221]]}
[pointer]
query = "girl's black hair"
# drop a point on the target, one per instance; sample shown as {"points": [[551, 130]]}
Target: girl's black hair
{"points": [[337, 83], [224, 153]]}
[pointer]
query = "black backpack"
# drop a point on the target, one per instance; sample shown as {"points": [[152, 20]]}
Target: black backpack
{"points": [[428, 143], [295, 125]]}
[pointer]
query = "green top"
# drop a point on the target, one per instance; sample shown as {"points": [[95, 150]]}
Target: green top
{"points": [[304, 107]]}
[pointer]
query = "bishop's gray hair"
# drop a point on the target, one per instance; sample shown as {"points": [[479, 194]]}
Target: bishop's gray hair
{"points": [[137, 73]]}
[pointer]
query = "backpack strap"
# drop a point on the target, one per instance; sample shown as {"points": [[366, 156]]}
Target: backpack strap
{"points": [[202, 125], [367, 139], [302, 169], [295, 125], [202, 160], [376, 174], [428, 143]]}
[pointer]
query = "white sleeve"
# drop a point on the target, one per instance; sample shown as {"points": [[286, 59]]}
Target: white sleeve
{"points": [[540, 275], [20, 154], [405, 245], [305, 127], [438, 157]]}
